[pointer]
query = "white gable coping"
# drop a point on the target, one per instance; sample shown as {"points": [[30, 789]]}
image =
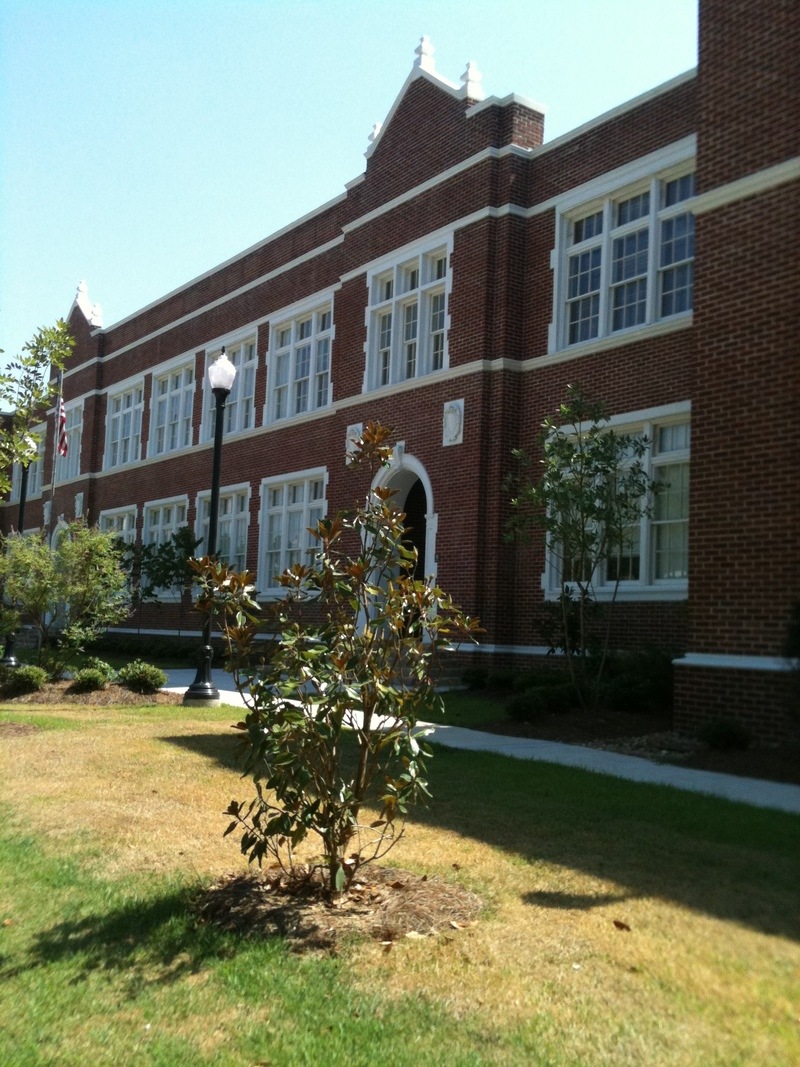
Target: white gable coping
{"points": [[93, 313], [424, 67], [504, 101]]}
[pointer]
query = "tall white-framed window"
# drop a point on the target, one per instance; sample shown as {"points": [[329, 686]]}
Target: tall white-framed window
{"points": [[171, 410], [69, 466], [299, 378], [653, 561], [35, 471], [120, 521], [290, 504], [233, 521], [240, 403], [124, 426], [407, 318], [625, 260], [161, 520]]}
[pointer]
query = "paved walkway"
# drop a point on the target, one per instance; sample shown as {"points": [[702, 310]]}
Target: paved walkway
{"points": [[775, 795]]}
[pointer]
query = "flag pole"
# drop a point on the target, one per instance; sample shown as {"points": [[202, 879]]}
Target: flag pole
{"points": [[59, 441]]}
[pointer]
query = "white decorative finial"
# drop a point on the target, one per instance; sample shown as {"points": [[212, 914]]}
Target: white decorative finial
{"points": [[424, 53], [93, 312], [471, 82], [376, 129]]}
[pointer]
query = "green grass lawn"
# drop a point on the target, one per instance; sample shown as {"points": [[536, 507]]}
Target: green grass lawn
{"points": [[470, 710], [108, 827]]}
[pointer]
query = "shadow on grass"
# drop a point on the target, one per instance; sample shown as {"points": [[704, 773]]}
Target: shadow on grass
{"points": [[713, 856], [156, 941]]}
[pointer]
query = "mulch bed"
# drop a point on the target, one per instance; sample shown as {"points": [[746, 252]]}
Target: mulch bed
{"points": [[652, 737], [59, 693], [384, 904]]}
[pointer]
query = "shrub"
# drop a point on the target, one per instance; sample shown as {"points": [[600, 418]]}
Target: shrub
{"points": [[26, 679], [88, 680], [94, 663], [475, 677], [542, 700], [725, 735], [501, 679], [142, 677], [639, 681], [542, 676]]}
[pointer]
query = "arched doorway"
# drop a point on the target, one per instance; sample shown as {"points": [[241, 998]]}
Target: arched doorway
{"points": [[414, 495]]}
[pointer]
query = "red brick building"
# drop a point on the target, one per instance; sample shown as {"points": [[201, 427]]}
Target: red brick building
{"points": [[452, 291]]}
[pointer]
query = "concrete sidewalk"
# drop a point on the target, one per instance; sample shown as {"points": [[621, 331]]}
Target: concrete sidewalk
{"points": [[775, 795]]}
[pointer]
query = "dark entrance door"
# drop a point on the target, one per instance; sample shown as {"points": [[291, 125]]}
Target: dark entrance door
{"points": [[416, 507]]}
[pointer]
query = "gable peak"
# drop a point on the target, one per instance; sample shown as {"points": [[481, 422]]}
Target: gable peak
{"points": [[424, 53], [93, 313]]}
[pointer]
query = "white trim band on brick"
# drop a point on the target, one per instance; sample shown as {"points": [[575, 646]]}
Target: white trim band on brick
{"points": [[760, 181], [510, 650], [722, 662]]}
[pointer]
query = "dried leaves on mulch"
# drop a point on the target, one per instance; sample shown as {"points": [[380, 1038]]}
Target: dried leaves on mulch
{"points": [[384, 904], [59, 693]]}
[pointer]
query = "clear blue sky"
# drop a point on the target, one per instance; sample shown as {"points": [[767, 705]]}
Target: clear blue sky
{"points": [[144, 141]]}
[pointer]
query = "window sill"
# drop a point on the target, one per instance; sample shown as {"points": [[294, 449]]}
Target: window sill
{"points": [[642, 594], [616, 340]]}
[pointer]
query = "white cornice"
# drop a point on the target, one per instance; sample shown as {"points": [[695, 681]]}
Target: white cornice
{"points": [[615, 112], [234, 259], [320, 250], [505, 101]]}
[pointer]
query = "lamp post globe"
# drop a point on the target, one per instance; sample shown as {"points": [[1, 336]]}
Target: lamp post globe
{"points": [[221, 376]]}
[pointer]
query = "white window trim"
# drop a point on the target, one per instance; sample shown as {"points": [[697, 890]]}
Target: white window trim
{"points": [[285, 316], [624, 182], [35, 468], [73, 456], [263, 589], [113, 513], [172, 594], [179, 363], [395, 262], [229, 342], [225, 490], [128, 387], [645, 588]]}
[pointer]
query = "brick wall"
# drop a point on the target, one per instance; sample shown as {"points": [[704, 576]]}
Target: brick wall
{"points": [[736, 360]]}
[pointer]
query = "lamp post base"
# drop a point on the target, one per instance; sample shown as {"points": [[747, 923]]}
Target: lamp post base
{"points": [[202, 692]]}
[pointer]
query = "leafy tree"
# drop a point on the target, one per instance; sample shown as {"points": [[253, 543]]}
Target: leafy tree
{"points": [[26, 386], [588, 492], [69, 592], [333, 708], [152, 568]]}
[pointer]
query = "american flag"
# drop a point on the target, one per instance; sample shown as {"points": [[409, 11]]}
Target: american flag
{"points": [[63, 446]]}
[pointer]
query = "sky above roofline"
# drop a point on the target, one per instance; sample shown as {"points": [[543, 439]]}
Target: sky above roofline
{"points": [[143, 144]]}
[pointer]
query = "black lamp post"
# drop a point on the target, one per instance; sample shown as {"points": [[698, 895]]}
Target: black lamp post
{"points": [[9, 659], [221, 375]]}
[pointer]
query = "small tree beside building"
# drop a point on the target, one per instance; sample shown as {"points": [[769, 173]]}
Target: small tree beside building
{"points": [[69, 592], [588, 492]]}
